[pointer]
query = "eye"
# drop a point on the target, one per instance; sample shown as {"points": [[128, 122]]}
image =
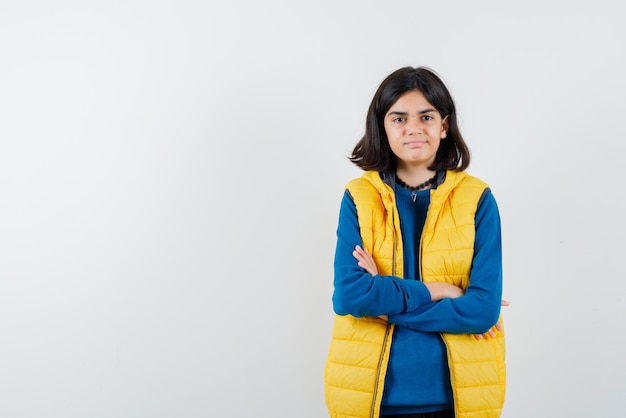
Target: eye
{"points": [[427, 117], [399, 119]]}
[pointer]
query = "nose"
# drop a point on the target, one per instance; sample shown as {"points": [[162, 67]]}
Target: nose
{"points": [[413, 126]]}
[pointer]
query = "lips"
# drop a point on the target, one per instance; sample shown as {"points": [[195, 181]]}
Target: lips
{"points": [[415, 143]]}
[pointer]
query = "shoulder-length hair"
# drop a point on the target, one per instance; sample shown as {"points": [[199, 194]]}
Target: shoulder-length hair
{"points": [[373, 152]]}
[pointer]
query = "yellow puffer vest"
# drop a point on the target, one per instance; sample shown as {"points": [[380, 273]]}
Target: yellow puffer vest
{"points": [[359, 351]]}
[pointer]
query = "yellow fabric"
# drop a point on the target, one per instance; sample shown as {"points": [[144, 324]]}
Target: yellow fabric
{"points": [[359, 351]]}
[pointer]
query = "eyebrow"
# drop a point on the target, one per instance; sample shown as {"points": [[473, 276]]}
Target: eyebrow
{"points": [[421, 112]]}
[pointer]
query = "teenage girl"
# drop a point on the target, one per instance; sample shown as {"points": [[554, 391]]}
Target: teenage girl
{"points": [[418, 267]]}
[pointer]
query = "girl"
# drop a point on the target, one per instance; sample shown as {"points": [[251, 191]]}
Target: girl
{"points": [[418, 267]]}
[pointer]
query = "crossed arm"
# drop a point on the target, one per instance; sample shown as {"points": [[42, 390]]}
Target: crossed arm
{"points": [[410, 303], [438, 290]]}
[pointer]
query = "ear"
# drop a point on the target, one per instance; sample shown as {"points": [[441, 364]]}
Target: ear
{"points": [[444, 127]]}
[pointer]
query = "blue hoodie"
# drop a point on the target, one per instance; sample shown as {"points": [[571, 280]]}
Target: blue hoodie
{"points": [[417, 378]]}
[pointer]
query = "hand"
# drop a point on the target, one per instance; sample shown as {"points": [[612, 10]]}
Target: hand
{"points": [[496, 327], [365, 260], [442, 290]]}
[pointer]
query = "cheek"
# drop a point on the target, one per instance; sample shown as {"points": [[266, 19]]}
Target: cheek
{"points": [[391, 132], [387, 130]]}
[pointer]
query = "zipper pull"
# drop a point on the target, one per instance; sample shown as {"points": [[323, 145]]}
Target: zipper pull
{"points": [[413, 196]]}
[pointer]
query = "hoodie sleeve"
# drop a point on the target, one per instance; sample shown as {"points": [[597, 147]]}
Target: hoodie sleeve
{"points": [[478, 310], [358, 293]]}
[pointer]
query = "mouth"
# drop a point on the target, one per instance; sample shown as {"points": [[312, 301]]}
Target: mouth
{"points": [[415, 143]]}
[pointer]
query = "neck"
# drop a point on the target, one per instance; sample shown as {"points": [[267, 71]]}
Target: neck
{"points": [[414, 176]]}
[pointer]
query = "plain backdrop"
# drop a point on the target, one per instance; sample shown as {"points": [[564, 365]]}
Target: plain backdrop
{"points": [[170, 180]]}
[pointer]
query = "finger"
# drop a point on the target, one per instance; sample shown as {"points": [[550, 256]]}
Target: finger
{"points": [[499, 326], [505, 303], [358, 253]]}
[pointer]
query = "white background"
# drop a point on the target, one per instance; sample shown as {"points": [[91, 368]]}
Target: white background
{"points": [[170, 179]]}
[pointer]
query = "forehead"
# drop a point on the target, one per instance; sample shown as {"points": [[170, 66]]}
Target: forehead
{"points": [[413, 100]]}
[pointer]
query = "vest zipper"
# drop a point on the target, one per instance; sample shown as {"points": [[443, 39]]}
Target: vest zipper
{"points": [[395, 243], [456, 413], [380, 360], [388, 331]]}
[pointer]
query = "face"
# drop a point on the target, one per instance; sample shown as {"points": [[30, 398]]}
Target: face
{"points": [[414, 129]]}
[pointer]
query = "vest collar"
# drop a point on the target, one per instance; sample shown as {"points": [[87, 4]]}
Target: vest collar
{"points": [[389, 178]]}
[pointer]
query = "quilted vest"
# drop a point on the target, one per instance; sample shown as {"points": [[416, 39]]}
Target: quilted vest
{"points": [[359, 351]]}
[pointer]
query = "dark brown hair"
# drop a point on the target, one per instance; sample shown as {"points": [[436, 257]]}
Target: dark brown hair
{"points": [[373, 152]]}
